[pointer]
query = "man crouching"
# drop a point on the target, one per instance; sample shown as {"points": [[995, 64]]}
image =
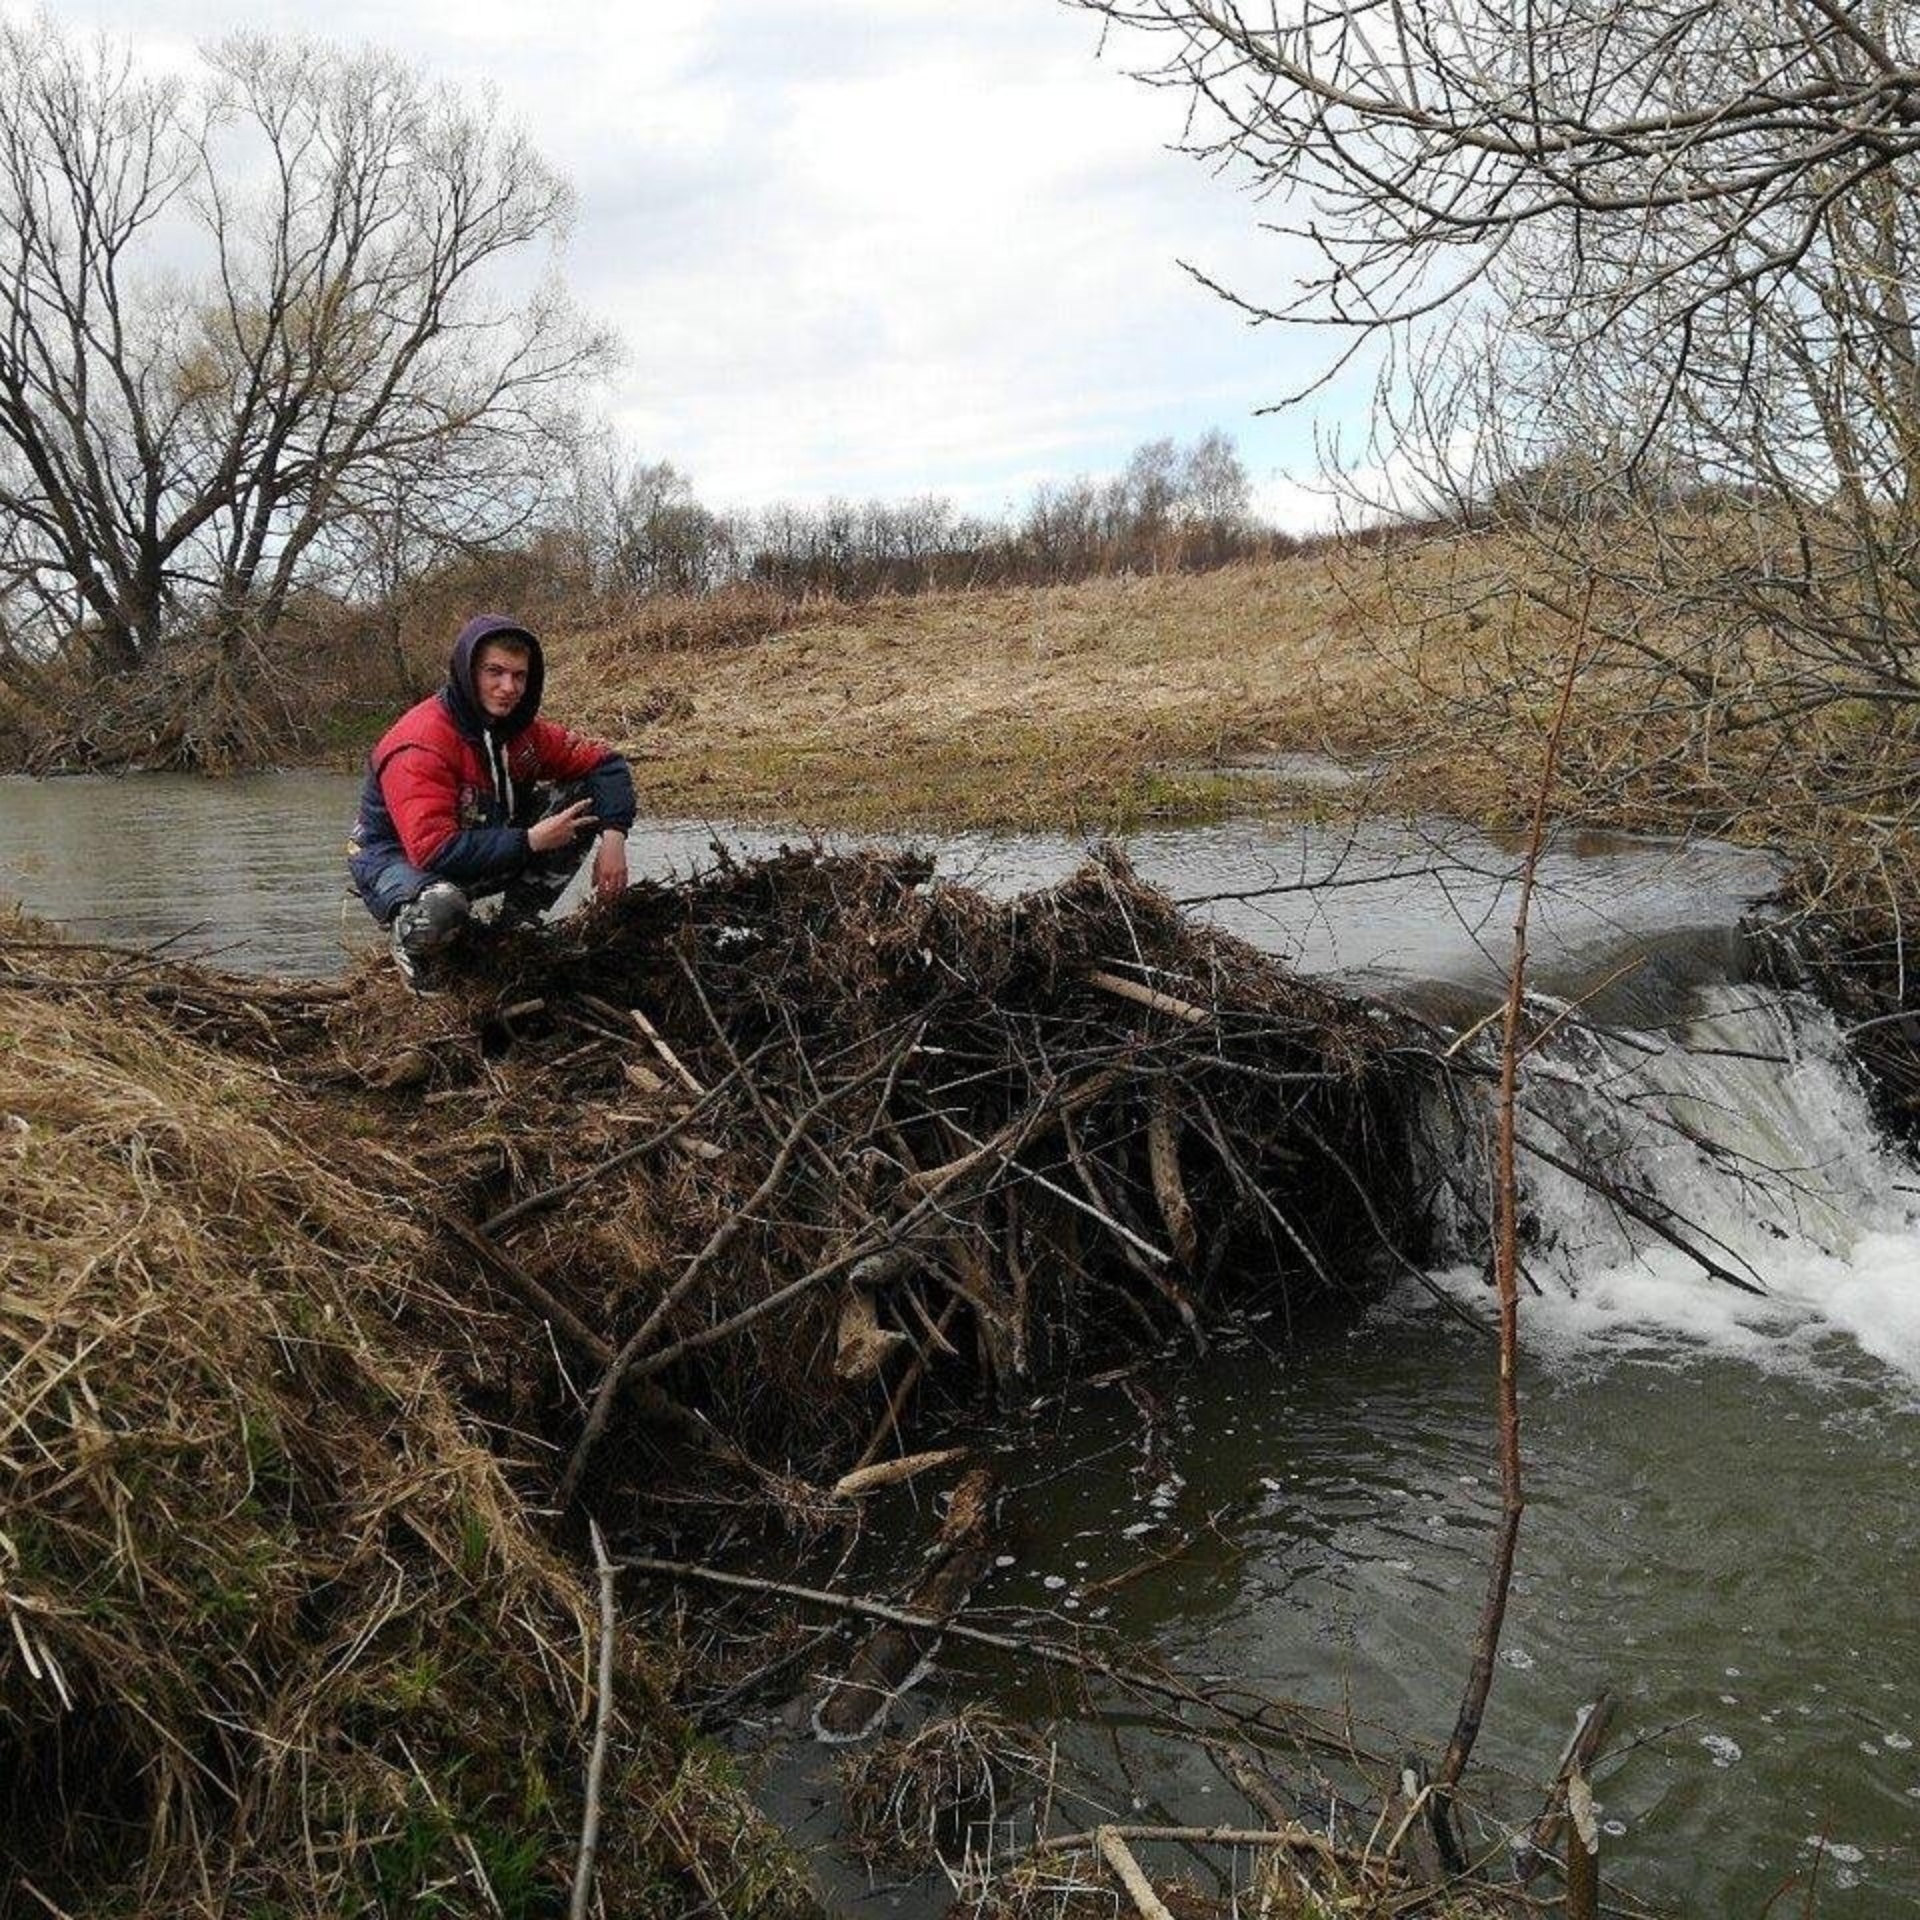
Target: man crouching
{"points": [[470, 793]]}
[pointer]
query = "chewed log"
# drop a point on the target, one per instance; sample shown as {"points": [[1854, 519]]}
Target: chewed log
{"points": [[896, 1656], [1169, 1190], [862, 1344], [889, 1473]]}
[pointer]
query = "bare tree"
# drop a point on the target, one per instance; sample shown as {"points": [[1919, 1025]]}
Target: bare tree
{"points": [[241, 317], [1642, 279], [1215, 493], [1152, 487], [1411, 142]]}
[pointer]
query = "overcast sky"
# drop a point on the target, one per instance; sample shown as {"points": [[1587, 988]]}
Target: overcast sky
{"points": [[866, 246]]}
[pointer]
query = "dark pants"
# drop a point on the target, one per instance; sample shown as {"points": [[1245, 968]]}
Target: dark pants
{"points": [[530, 892], [426, 913]]}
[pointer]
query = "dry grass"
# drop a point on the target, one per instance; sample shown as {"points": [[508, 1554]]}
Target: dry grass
{"points": [[1098, 703], [278, 1638], [914, 1800]]}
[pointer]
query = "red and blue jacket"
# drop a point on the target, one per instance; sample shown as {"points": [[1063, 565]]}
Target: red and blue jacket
{"points": [[448, 791]]}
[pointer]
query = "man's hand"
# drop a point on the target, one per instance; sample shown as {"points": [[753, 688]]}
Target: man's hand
{"points": [[610, 864], [560, 829]]}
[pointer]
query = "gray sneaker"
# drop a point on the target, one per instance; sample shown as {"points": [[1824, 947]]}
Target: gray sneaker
{"points": [[410, 967], [424, 928]]}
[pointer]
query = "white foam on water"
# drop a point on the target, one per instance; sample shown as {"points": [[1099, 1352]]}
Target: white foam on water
{"points": [[1750, 1135]]}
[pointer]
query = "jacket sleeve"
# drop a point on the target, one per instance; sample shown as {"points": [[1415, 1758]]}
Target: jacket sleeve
{"points": [[571, 756], [423, 799]]}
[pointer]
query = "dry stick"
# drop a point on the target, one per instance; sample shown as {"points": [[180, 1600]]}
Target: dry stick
{"points": [[891, 1472], [1506, 1262], [1582, 1749], [653, 1402], [1583, 1851], [1035, 1124], [1240, 1767], [1300, 1839], [1169, 1190], [1144, 1247], [1148, 997], [897, 1400], [1413, 1270], [551, 1196], [768, 1117], [1329, 884], [1301, 1725], [865, 1245], [1022, 1286], [1119, 1856], [602, 1725], [1617, 1195], [868, 1246], [547, 1304], [937, 1341], [1164, 1284], [672, 1060], [1249, 1188]]}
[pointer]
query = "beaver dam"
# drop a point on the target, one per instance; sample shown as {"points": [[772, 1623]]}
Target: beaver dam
{"points": [[429, 1422]]}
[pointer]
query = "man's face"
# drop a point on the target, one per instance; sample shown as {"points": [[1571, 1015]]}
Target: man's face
{"points": [[500, 678]]}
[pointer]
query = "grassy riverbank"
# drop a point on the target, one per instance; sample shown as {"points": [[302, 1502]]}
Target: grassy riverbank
{"points": [[283, 1637], [1096, 704], [1110, 703]]}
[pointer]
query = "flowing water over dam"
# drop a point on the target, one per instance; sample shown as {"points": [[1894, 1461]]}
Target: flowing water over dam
{"points": [[1721, 1435]]}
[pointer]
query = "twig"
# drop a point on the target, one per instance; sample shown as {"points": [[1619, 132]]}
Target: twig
{"points": [[547, 1304], [1506, 1259], [1119, 1856], [903, 1389], [1141, 1568], [602, 1724], [722, 1237], [1641, 1211], [1047, 1652], [874, 1241], [1148, 997], [652, 1402], [674, 1064], [1299, 1839], [550, 1196], [1039, 1120]]}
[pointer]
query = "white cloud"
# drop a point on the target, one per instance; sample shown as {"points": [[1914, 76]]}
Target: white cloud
{"points": [[865, 248]]}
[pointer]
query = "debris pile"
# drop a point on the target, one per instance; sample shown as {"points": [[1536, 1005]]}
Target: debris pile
{"points": [[718, 1189], [774, 1151]]}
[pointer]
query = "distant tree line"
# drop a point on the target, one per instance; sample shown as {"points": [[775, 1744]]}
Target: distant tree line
{"points": [[640, 529]]}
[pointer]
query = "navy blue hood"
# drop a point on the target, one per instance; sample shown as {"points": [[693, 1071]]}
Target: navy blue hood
{"points": [[458, 694]]}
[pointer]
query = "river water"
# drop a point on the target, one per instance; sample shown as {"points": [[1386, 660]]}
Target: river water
{"points": [[1721, 1518]]}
